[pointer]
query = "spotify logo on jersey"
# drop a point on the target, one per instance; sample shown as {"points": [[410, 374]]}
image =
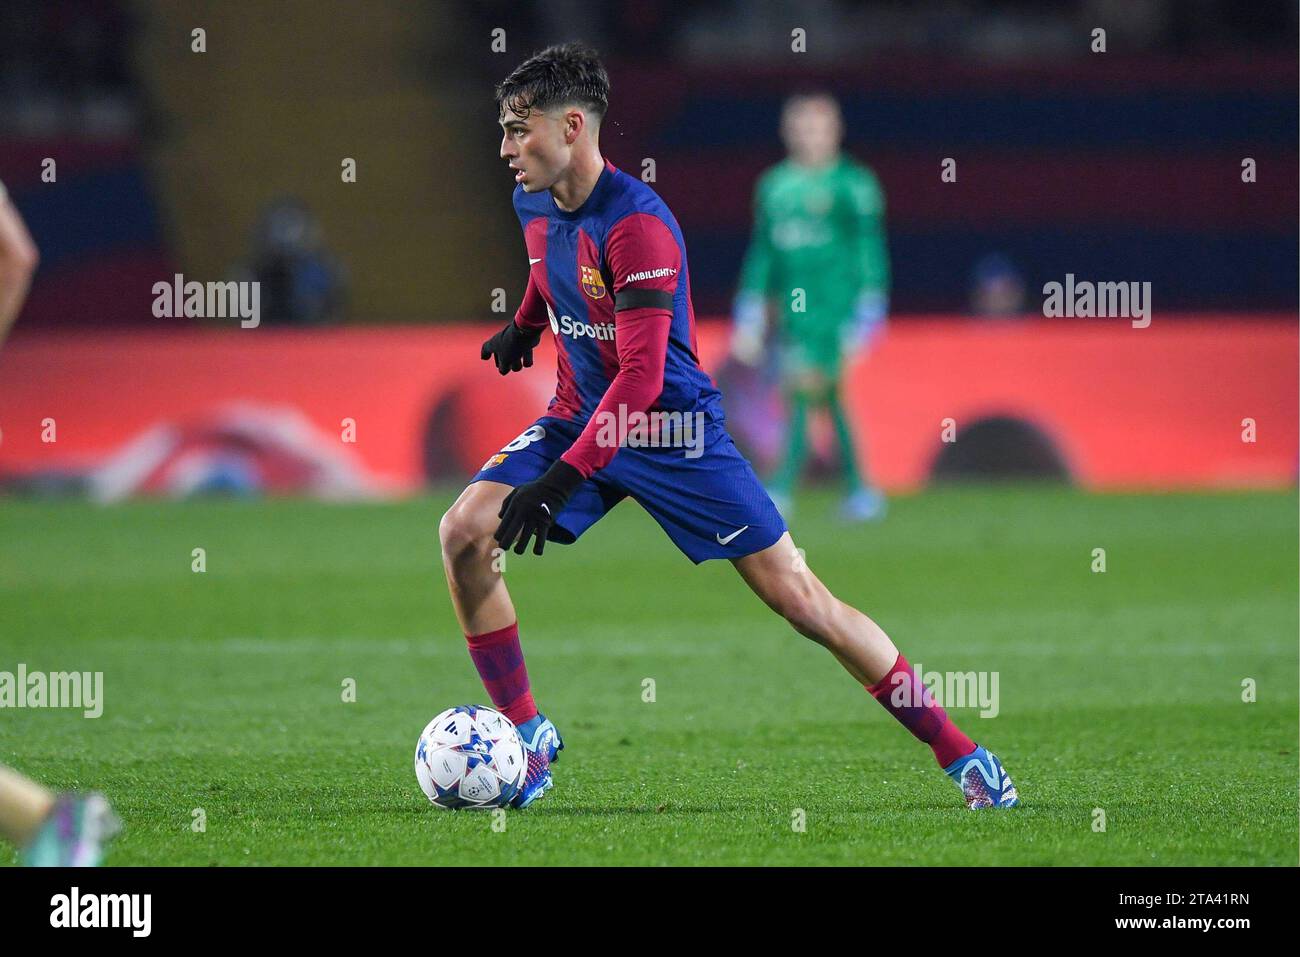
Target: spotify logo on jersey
{"points": [[568, 326]]}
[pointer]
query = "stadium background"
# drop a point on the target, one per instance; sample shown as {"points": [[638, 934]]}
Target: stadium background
{"points": [[1122, 166]]}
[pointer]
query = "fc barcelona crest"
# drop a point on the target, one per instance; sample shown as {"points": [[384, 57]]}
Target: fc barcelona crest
{"points": [[593, 284]]}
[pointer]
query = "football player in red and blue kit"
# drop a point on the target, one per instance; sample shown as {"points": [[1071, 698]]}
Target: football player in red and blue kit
{"points": [[634, 416]]}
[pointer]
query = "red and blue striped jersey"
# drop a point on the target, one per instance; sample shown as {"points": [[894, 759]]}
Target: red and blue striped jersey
{"points": [[611, 280]]}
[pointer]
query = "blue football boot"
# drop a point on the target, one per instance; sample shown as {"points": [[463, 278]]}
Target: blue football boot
{"points": [[864, 505], [983, 780], [542, 745]]}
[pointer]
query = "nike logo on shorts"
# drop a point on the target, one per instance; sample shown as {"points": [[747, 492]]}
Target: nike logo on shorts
{"points": [[727, 540]]}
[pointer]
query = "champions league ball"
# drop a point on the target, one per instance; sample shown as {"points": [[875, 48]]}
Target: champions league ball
{"points": [[470, 757]]}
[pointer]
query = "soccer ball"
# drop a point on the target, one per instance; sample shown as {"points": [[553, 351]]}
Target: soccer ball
{"points": [[470, 757]]}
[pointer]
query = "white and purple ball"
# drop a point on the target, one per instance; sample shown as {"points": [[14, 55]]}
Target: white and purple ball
{"points": [[470, 757]]}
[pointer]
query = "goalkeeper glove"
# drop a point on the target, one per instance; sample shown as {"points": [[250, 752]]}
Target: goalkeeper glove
{"points": [[511, 348], [531, 508], [749, 320], [868, 321]]}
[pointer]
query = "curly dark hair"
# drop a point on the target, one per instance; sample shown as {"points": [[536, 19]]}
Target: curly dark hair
{"points": [[559, 75]]}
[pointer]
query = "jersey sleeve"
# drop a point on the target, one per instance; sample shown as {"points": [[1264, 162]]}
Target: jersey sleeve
{"points": [[868, 208], [645, 261], [532, 311], [756, 271]]}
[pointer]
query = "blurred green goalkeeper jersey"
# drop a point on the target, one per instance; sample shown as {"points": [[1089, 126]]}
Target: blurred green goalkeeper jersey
{"points": [[823, 231]]}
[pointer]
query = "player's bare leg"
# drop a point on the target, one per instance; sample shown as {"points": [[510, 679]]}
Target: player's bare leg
{"points": [[54, 830], [478, 592], [473, 562], [779, 575], [24, 804]]}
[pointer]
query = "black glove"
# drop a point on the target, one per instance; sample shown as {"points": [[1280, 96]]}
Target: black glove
{"points": [[512, 348], [530, 509]]}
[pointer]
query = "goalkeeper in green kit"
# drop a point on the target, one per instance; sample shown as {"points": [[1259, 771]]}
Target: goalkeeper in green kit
{"points": [[818, 262]]}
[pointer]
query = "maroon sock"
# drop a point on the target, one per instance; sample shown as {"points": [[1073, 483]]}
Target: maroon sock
{"points": [[912, 703], [500, 663]]}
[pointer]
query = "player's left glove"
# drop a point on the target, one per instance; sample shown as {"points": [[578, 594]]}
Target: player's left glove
{"points": [[868, 321], [749, 325], [531, 508]]}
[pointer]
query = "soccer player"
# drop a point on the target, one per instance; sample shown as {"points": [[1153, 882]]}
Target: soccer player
{"points": [[18, 260], [608, 273], [50, 829], [818, 259]]}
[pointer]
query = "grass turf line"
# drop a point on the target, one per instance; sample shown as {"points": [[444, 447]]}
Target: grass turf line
{"points": [[1119, 691]]}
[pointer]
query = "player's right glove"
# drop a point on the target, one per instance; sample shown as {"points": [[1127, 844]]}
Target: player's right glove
{"points": [[530, 509], [511, 348]]}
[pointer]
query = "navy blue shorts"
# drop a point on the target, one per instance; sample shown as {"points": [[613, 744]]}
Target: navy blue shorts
{"points": [[707, 498]]}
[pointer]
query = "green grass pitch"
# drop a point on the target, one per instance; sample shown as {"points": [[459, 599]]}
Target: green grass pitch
{"points": [[223, 690]]}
